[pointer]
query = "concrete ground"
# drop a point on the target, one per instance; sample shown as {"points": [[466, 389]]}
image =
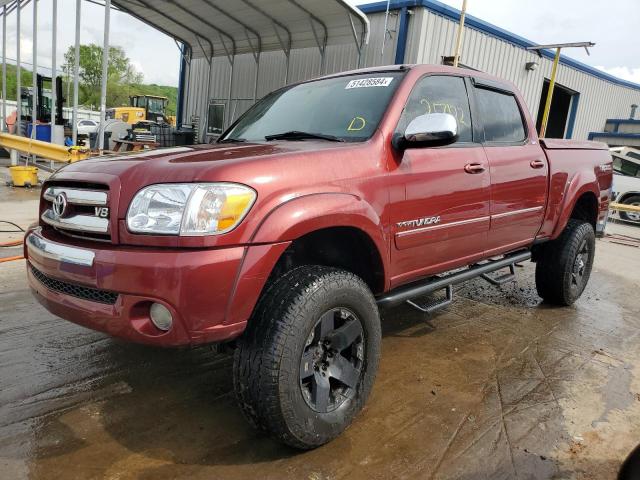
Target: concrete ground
{"points": [[496, 386]]}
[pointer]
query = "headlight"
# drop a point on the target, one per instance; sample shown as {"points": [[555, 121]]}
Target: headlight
{"points": [[189, 209]]}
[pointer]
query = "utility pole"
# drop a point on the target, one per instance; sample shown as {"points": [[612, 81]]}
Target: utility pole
{"points": [[554, 72]]}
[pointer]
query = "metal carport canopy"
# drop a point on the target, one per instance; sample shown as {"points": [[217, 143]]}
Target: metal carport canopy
{"points": [[213, 28]]}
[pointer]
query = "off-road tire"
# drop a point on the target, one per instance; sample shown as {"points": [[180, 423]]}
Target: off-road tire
{"points": [[634, 200], [267, 361], [557, 281]]}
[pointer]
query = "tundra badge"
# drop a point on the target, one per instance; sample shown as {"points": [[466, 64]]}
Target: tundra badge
{"points": [[419, 222]]}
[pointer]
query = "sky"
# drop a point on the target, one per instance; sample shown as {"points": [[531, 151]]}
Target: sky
{"points": [[151, 52], [612, 25]]}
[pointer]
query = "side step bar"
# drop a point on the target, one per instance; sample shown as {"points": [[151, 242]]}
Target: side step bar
{"points": [[502, 279], [430, 285]]}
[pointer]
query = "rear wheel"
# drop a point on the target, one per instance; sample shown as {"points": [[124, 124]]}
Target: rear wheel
{"points": [[631, 216], [307, 361], [564, 266]]}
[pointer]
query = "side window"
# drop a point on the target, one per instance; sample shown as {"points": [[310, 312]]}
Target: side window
{"points": [[439, 94], [625, 167], [500, 116]]}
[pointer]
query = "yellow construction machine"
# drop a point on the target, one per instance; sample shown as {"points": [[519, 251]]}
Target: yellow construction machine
{"points": [[142, 108]]}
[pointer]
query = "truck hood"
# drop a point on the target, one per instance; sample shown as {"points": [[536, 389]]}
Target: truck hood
{"points": [[195, 163]]}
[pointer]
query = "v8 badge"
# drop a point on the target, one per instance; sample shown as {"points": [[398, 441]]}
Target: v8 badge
{"points": [[102, 212]]}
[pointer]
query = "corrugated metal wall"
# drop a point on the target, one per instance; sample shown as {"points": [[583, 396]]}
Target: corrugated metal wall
{"points": [[304, 64], [431, 36]]}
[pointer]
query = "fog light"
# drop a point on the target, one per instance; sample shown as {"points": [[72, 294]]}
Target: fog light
{"points": [[161, 316]]}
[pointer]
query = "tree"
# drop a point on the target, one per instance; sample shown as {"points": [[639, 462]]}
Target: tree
{"points": [[121, 74]]}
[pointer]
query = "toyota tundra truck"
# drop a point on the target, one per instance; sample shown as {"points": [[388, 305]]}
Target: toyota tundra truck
{"points": [[325, 201]]}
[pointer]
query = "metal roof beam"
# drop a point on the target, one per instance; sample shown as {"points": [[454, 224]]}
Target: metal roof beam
{"points": [[276, 23], [207, 23], [322, 46], [363, 20], [239, 22], [146, 22], [286, 47]]}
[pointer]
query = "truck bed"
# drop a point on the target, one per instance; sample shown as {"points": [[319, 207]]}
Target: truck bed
{"points": [[570, 179]]}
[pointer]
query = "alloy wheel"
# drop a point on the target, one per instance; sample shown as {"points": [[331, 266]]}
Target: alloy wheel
{"points": [[332, 360], [580, 265]]}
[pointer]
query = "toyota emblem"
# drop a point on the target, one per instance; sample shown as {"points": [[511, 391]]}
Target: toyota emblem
{"points": [[60, 204]]}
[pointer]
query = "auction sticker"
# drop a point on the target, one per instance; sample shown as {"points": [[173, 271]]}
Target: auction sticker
{"points": [[369, 82]]}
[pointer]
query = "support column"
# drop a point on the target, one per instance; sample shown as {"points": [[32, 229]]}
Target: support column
{"points": [[4, 68], [229, 91], [105, 66], [187, 89], [456, 53], [18, 76], [547, 105], [255, 82], [34, 94], [76, 69], [54, 72]]}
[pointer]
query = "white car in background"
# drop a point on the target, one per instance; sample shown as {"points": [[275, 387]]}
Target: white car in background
{"points": [[626, 180], [85, 127]]}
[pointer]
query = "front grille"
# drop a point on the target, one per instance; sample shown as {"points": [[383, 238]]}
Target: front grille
{"points": [[86, 293], [85, 212]]}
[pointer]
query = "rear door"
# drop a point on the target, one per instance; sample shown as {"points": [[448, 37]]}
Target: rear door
{"points": [[518, 168], [443, 220]]}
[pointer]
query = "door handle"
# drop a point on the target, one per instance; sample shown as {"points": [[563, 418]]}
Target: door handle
{"points": [[537, 163], [474, 168]]}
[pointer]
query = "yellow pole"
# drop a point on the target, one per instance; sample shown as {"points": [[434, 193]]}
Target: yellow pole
{"points": [[456, 54], [552, 84]]}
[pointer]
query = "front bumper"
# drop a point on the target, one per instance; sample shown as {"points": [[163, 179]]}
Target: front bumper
{"points": [[195, 285]]}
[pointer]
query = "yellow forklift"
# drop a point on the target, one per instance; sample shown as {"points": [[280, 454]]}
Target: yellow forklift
{"points": [[143, 108]]}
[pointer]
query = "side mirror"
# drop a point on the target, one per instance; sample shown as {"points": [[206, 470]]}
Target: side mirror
{"points": [[431, 129]]}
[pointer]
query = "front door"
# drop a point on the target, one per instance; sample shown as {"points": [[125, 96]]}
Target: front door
{"points": [[442, 221], [519, 171]]}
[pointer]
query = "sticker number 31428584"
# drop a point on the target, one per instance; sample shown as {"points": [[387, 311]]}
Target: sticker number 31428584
{"points": [[369, 82]]}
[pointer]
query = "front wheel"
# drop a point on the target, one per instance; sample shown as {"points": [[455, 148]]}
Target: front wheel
{"points": [[564, 266], [307, 361]]}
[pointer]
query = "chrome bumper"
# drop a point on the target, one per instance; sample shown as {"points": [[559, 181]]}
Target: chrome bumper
{"points": [[40, 246]]}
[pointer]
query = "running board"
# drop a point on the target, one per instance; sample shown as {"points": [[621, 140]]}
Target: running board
{"points": [[502, 279], [433, 284], [429, 308]]}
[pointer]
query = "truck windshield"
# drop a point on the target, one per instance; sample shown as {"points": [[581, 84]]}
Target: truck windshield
{"points": [[346, 108]]}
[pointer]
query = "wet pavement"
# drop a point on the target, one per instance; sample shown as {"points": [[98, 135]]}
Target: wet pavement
{"points": [[496, 386]]}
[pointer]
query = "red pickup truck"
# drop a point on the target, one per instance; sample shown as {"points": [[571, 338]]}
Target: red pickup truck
{"points": [[325, 201]]}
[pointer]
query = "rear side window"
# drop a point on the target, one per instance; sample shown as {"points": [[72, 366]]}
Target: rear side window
{"points": [[500, 116], [625, 167], [439, 94]]}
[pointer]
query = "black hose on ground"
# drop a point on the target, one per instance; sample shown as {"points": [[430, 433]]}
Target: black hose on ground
{"points": [[20, 229]]}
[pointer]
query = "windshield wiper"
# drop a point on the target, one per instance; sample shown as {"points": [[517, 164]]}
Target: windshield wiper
{"points": [[233, 140], [297, 135]]}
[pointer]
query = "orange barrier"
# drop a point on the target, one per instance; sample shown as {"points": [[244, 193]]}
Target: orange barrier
{"points": [[9, 259], [15, 243]]}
